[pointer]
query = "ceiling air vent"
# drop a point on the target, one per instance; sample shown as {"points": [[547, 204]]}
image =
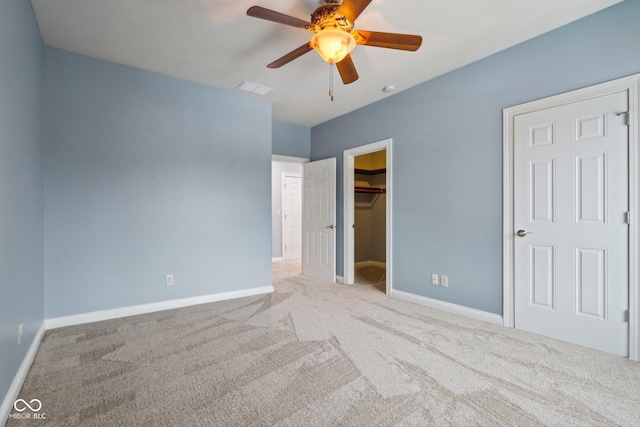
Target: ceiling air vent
{"points": [[254, 88]]}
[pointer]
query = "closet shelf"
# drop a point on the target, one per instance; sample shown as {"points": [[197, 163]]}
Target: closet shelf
{"points": [[370, 172], [370, 190]]}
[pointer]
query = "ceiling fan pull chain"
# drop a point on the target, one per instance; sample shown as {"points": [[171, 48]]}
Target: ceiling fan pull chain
{"points": [[331, 81]]}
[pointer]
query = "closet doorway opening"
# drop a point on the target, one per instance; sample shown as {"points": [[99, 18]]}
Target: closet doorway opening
{"points": [[367, 205]]}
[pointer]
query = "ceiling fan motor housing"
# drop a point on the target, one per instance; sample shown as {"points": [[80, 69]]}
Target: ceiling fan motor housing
{"points": [[326, 17]]}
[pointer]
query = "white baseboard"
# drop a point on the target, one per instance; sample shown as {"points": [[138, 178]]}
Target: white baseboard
{"points": [[449, 307], [97, 316], [18, 380], [278, 259], [340, 279]]}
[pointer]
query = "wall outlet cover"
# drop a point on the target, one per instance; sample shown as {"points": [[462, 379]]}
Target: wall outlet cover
{"points": [[444, 281]]}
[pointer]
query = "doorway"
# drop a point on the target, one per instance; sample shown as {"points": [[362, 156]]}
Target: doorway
{"points": [[571, 173], [369, 221], [281, 166], [367, 236]]}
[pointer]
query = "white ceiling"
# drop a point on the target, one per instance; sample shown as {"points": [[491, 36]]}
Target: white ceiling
{"points": [[214, 42]]}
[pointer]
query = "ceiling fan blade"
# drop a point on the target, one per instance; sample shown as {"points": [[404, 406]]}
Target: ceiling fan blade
{"points": [[347, 70], [280, 18], [388, 40], [351, 9], [291, 56]]}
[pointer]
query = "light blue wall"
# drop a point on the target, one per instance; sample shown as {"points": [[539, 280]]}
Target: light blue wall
{"points": [[148, 175], [291, 140], [21, 188], [447, 150]]}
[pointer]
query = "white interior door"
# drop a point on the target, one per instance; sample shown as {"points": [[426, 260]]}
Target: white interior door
{"points": [[319, 220], [571, 199], [292, 217]]}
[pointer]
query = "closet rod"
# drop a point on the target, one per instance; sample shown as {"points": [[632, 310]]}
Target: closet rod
{"points": [[369, 190]]}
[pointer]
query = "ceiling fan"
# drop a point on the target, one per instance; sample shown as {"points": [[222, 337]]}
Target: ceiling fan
{"points": [[334, 38]]}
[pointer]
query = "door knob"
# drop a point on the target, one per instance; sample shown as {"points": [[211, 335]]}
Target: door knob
{"points": [[522, 233], [331, 226]]}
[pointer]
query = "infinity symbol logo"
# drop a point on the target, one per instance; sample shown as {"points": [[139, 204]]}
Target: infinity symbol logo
{"points": [[24, 405]]}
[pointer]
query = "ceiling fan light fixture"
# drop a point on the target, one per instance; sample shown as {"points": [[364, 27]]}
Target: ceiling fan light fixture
{"points": [[333, 45], [332, 25]]}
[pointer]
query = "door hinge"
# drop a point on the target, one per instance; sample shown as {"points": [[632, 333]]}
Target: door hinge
{"points": [[626, 117], [627, 217], [626, 316]]}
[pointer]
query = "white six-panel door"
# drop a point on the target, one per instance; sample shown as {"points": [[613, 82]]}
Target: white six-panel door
{"points": [[570, 204], [319, 220], [292, 220]]}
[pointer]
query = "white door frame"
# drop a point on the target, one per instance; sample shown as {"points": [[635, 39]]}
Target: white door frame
{"points": [[632, 85], [283, 176], [348, 204]]}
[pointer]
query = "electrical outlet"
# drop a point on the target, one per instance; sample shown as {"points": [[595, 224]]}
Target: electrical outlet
{"points": [[434, 279], [19, 333], [169, 280], [444, 281]]}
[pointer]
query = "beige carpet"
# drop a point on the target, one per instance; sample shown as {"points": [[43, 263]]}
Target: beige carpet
{"points": [[317, 354], [373, 275]]}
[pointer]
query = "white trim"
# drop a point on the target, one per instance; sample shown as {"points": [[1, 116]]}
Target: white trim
{"points": [[278, 259], [18, 380], [97, 316], [288, 159], [631, 84], [634, 227], [472, 313], [340, 279], [348, 206], [348, 217], [283, 176]]}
